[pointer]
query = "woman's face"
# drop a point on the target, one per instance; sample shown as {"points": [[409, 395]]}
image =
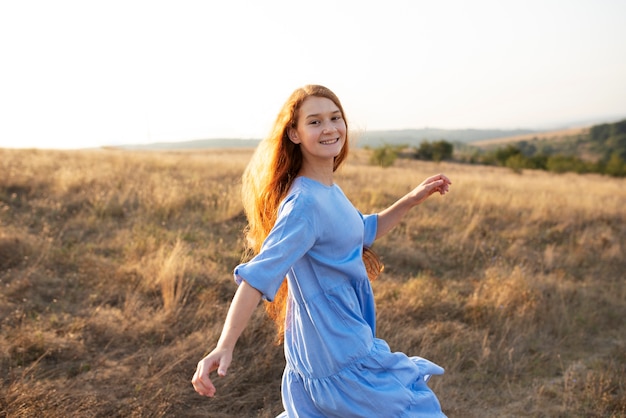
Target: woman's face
{"points": [[321, 129]]}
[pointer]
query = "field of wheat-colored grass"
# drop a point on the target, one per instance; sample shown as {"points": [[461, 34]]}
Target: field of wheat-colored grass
{"points": [[116, 274]]}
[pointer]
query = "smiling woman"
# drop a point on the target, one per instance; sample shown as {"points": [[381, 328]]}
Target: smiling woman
{"points": [[309, 267]]}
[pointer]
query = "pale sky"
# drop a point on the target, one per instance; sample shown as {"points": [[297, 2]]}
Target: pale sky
{"points": [[77, 74]]}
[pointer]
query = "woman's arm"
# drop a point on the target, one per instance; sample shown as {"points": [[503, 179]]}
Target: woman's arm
{"points": [[390, 217], [244, 303]]}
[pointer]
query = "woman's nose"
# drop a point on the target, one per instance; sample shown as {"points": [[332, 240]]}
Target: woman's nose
{"points": [[329, 127]]}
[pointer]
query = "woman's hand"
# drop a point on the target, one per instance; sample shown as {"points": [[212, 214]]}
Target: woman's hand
{"points": [[389, 218], [245, 301], [218, 359], [438, 183]]}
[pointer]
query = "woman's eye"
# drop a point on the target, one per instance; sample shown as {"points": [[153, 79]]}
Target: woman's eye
{"points": [[336, 117], [314, 122]]}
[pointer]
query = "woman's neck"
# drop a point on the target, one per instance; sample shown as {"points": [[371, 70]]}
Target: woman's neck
{"points": [[323, 174]]}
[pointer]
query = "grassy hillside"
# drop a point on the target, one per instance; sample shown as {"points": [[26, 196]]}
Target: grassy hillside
{"points": [[597, 143], [414, 137], [554, 136], [115, 269]]}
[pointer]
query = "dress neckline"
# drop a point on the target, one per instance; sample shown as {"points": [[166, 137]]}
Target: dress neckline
{"points": [[310, 180]]}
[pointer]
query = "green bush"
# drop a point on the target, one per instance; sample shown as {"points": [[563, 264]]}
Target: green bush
{"points": [[615, 166], [435, 151], [563, 164], [384, 156]]}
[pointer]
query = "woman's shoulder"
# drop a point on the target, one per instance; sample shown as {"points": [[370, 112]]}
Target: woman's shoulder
{"points": [[305, 195], [299, 194]]}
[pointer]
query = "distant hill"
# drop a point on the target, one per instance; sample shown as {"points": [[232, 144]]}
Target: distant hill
{"points": [[416, 136], [547, 135], [191, 145], [371, 139], [592, 143], [595, 149]]}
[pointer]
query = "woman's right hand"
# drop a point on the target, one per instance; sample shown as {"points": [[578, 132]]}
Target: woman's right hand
{"points": [[245, 301], [218, 359]]}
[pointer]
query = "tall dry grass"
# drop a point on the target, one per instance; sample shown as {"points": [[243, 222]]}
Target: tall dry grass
{"points": [[115, 270]]}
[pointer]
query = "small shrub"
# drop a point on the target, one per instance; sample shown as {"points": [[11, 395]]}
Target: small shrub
{"points": [[384, 156]]}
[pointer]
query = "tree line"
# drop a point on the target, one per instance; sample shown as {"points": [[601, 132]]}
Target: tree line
{"points": [[604, 144]]}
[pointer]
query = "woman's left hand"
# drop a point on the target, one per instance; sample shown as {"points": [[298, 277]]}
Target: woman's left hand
{"points": [[438, 183], [389, 218]]}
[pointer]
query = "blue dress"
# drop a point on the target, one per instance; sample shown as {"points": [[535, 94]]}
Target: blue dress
{"points": [[335, 365]]}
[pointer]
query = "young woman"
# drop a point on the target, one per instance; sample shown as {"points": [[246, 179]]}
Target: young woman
{"points": [[309, 241]]}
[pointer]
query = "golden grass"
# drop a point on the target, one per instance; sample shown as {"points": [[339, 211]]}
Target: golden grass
{"points": [[115, 269]]}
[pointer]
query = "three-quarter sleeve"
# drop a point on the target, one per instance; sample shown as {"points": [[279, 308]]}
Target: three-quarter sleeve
{"points": [[290, 238]]}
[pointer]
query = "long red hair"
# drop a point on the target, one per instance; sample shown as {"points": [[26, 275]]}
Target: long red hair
{"points": [[268, 177]]}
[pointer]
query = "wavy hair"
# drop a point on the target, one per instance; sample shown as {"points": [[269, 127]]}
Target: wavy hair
{"points": [[268, 177]]}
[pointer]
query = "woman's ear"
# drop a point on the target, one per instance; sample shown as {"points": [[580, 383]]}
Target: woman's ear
{"points": [[293, 135]]}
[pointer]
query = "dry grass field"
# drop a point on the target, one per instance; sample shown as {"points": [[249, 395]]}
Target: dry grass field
{"points": [[115, 277]]}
